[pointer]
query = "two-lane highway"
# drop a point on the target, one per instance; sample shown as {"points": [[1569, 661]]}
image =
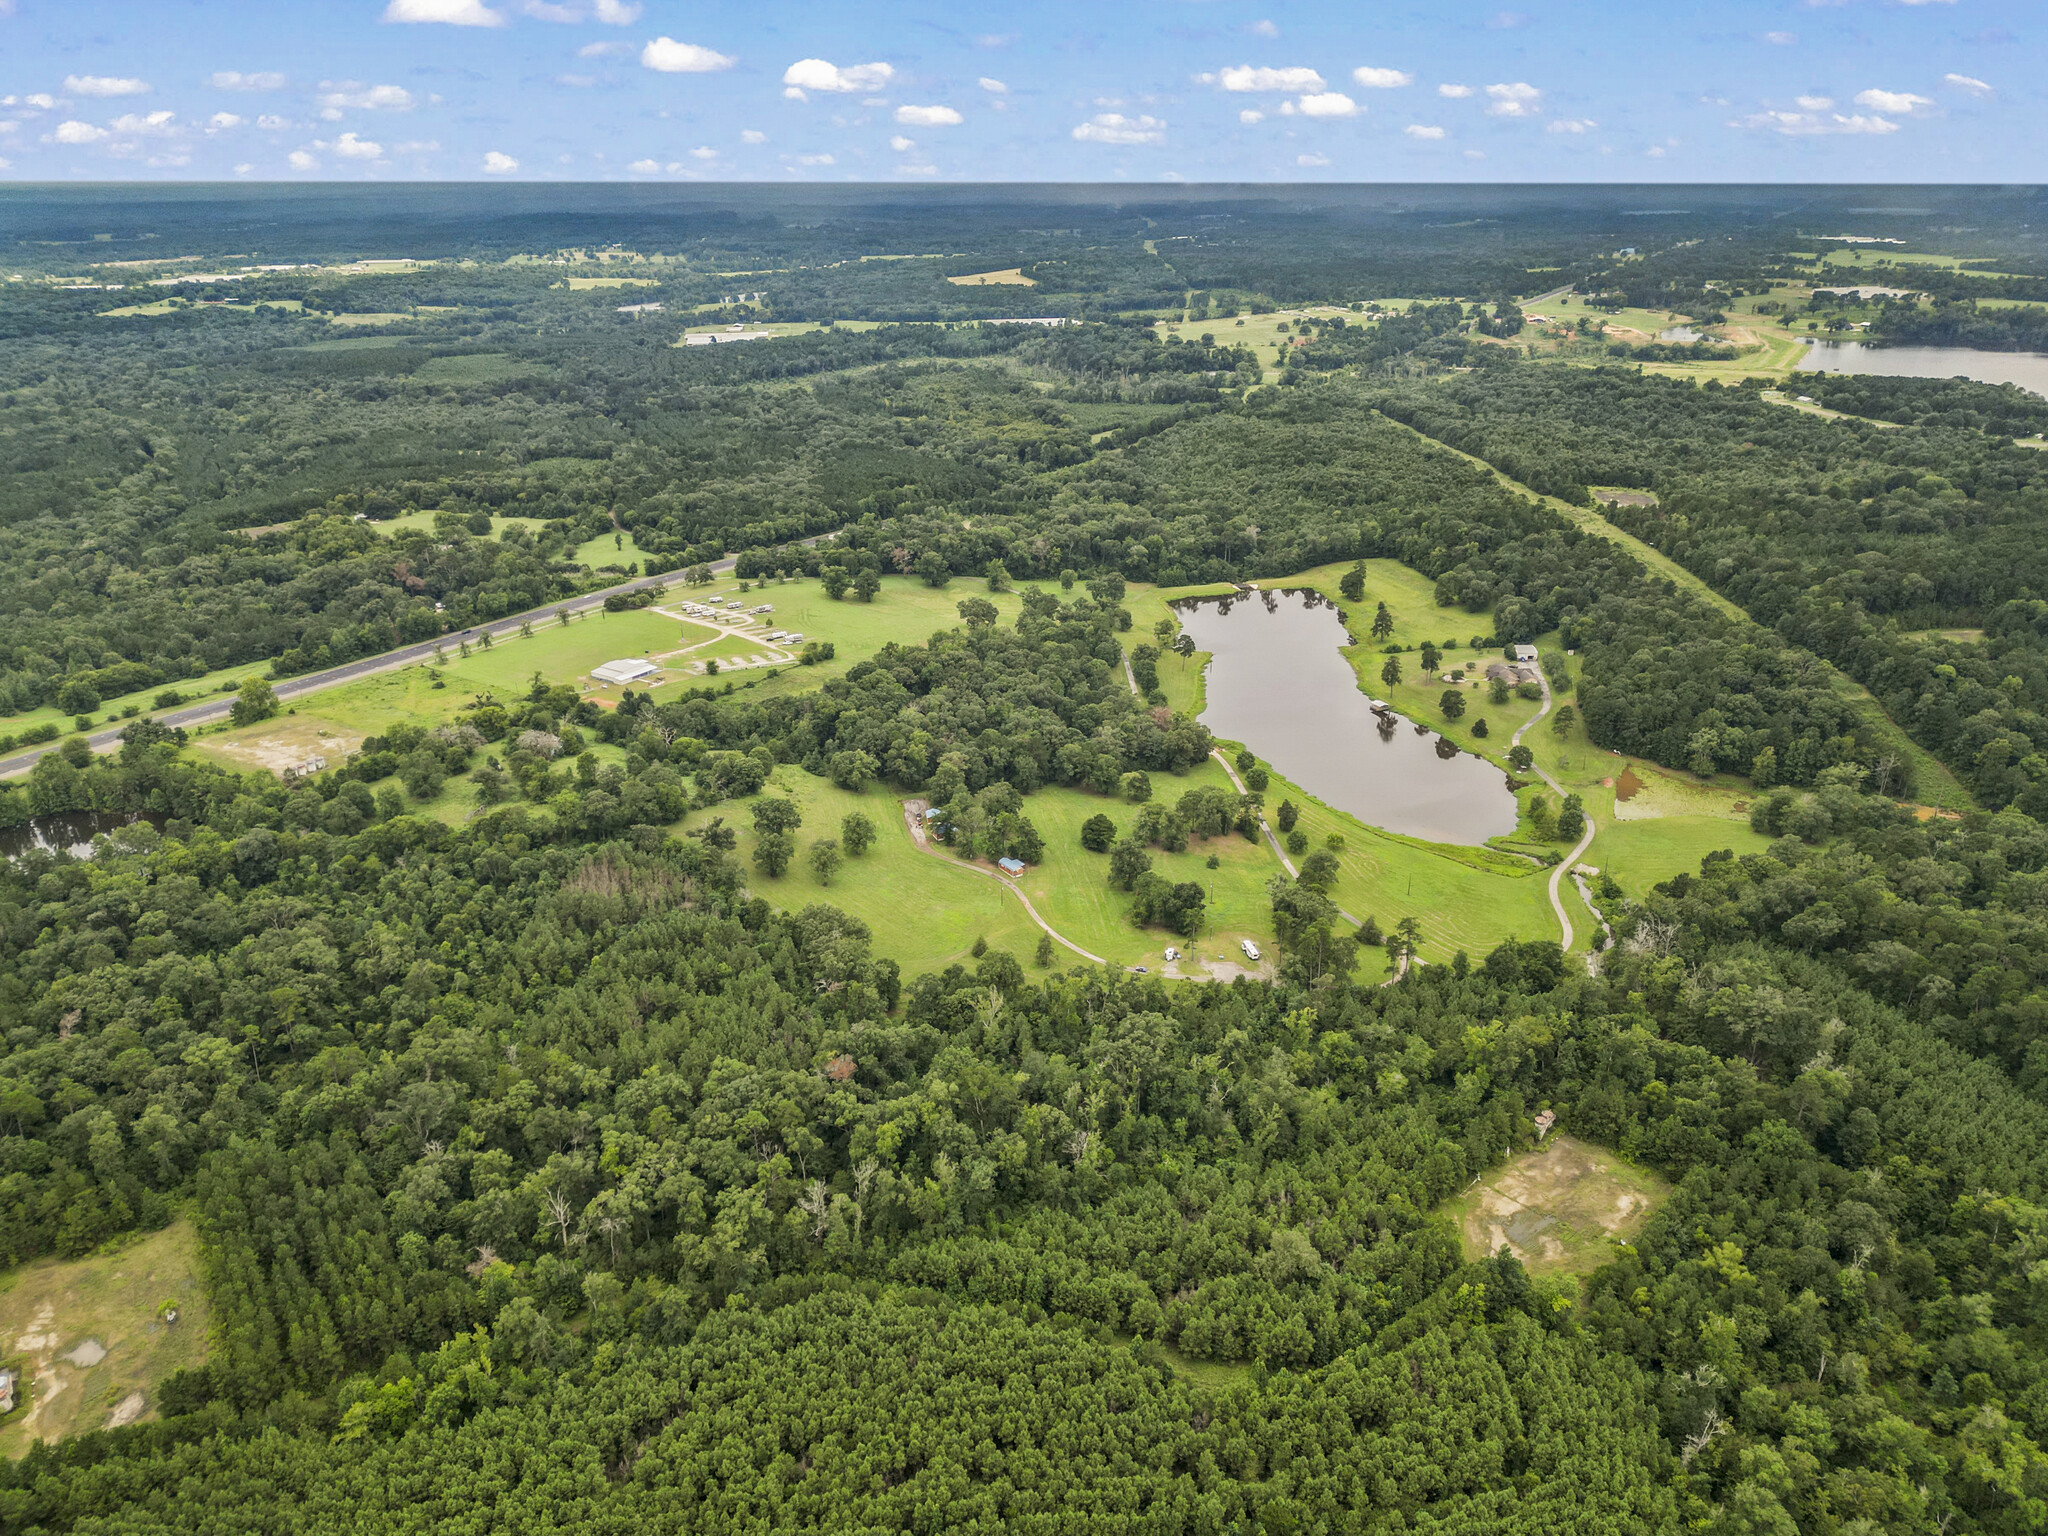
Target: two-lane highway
{"points": [[207, 711]]}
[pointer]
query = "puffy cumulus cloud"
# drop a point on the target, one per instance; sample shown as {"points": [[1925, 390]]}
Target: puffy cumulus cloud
{"points": [[902, 145], [1573, 125], [703, 152], [993, 86], [1324, 104], [1375, 79], [1251, 115], [615, 13], [144, 124], [645, 167], [336, 95], [235, 80], [1115, 128], [349, 147], [498, 163], [1814, 103], [1423, 131], [1311, 159], [1454, 92], [104, 85], [1807, 124], [1519, 99], [245, 167], [674, 58], [927, 117], [300, 160], [1968, 83], [1264, 29], [453, 13], [1899, 102], [75, 132], [1250, 77], [220, 122], [823, 75], [753, 136]]}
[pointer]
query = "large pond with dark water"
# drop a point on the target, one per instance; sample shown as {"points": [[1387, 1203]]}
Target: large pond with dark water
{"points": [[2029, 370], [69, 832], [1279, 684]]}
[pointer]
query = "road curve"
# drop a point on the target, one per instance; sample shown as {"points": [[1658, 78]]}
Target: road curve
{"points": [[207, 711], [924, 846], [1557, 874]]}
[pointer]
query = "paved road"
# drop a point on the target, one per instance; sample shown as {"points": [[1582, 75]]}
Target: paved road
{"points": [[1558, 873], [209, 710]]}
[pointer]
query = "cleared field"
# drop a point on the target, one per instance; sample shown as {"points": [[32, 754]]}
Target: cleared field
{"points": [[584, 284], [89, 1339], [424, 522], [1560, 1209], [1642, 854], [618, 548], [563, 653], [388, 318], [1007, 277], [471, 368]]}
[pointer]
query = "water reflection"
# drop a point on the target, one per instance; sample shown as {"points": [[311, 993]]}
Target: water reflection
{"points": [[1279, 683], [69, 832], [2029, 370]]}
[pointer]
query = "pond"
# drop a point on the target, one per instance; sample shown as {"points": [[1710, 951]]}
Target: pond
{"points": [[2029, 370], [69, 832], [1279, 684]]}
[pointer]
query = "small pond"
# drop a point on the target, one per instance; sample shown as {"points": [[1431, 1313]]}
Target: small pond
{"points": [[2029, 370], [69, 832], [1279, 684]]}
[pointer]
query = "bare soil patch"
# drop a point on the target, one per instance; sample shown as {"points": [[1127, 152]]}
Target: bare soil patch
{"points": [[292, 744], [1010, 277], [1559, 1209]]}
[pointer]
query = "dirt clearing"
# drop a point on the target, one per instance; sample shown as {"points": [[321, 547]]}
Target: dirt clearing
{"points": [[1559, 1209]]}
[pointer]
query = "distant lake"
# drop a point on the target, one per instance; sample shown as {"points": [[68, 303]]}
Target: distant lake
{"points": [[1280, 684], [2029, 370]]}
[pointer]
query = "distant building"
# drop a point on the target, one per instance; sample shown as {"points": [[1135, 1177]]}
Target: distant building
{"points": [[628, 670], [641, 309], [1525, 653]]}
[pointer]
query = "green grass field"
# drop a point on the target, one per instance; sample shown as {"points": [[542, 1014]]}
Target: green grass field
{"points": [[472, 368], [424, 522], [618, 548]]}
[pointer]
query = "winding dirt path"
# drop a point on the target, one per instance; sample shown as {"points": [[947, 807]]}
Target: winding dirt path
{"points": [[913, 821], [1557, 874]]}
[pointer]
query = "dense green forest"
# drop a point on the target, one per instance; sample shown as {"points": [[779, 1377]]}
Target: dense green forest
{"points": [[549, 1176]]}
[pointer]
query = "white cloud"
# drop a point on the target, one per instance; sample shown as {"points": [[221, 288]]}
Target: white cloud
{"points": [[454, 13], [270, 122], [645, 167], [703, 152], [1115, 128], [820, 75], [349, 147], [104, 85], [615, 13], [816, 160], [1901, 102], [1814, 103], [1251, 115], [540, 10], [674, 58], [416, 147], [497, 163], [1655, 151], [75, 132], [1381, 79], [42, 101], [1806, 124], [301, 161], [753, 136], [235, 80], [902, 145], [1327, 104], [1573, 125], [927, 117], [1968, 83], [245, 167], [1520, 99], [1423, 131], [993, 86], [1263, 29], [1311, 159], [1454, 92], [221, 121], [1782, 39], [153, 123], [917, 170], [337, 94], [1248, 77], [603, 50]]}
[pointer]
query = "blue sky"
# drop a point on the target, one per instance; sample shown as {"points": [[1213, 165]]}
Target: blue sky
{"points": [[1039, 90]]}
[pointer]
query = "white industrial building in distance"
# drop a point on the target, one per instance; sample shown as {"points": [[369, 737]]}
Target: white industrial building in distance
{"points": [[630, 670]]}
